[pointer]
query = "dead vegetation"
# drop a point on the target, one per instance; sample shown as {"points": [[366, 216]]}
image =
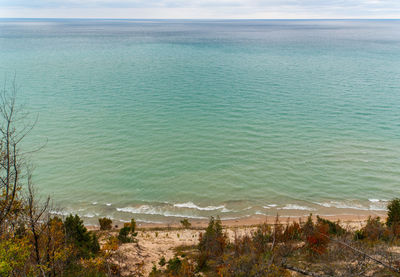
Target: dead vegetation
{"points": [[312, 248]]}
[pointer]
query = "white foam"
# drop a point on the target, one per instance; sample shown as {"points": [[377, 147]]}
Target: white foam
{"points": [[94, 203], [269, 206], [225, 210], [146, 209], [191, 205], [108, 204], [259, 213], [65, 213], [60, 213], [148, 221], [374, 200], [138, 220], [169, 214], [377, 208], [343, 205], [296, 207], [90, 215]]}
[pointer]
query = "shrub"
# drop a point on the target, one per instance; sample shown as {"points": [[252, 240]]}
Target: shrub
{"points": [[334, 227], [308, 227], [94, 267], [175, 268], [262, 236], [213, 240], [393, 212], [127, 233], [317, 241], [292, 232], [20, 231], [14, 255], [111, 244], [373, 230], [105, 223], [162, 261], [133, 227], [212, 243], [395, 230], [359, 235], [174, 265], [123, 235], [316, 236], [155, 272], [185, 223], [77, 234]]}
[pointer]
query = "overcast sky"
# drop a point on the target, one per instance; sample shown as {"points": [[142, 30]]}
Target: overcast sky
{"points": [[262, 9]]}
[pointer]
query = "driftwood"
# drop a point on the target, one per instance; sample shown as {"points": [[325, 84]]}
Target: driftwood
{"points": [[301, 271]]}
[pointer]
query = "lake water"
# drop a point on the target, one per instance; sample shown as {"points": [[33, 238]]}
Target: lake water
{"points": [[165, 119]]}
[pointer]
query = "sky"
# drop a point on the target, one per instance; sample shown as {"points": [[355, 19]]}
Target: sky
{"points": [[201, 9]]}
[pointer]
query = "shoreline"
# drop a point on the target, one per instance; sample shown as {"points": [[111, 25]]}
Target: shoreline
{"points": [[148, 216], [257, 220], [251, 221]]}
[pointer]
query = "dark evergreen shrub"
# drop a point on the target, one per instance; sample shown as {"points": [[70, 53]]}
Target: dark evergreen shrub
{"points": [[123, 235], [77, 234], [105, 223], [393, 212], [127, 233], [174, 265], [162, 261], [185, 223], [334, 227], [212, 243]]}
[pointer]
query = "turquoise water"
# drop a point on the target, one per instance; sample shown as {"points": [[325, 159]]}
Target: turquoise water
{"points": [[167, 119]]}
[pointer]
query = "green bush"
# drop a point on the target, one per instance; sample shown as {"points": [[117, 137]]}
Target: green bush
{"points": [[123, 235], [14, 256], [127, 233], [185, 223], [162, 261], [77, 234], [359, 235], [262, 236], [105, 223], [334, 227], [133, 227], [393, 212], [213, 240], [374, 230], [174, 265], [212, 243], [308, 227]]}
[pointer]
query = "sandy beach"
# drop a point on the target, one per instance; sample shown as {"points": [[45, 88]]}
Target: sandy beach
{"points": [[258, 219], [155, 241]]}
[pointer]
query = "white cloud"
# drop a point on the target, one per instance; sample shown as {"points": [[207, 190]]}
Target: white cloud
{"points": [[201, 8]]}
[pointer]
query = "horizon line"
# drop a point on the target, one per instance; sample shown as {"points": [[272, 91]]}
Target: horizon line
{"points": [[254, 19]]}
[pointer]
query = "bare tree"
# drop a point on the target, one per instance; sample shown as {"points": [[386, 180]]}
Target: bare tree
{"points": [[13, 129], [36, 213]]}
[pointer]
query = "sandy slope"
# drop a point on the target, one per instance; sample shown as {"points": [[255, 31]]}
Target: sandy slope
{"points": [[155, 242]]}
